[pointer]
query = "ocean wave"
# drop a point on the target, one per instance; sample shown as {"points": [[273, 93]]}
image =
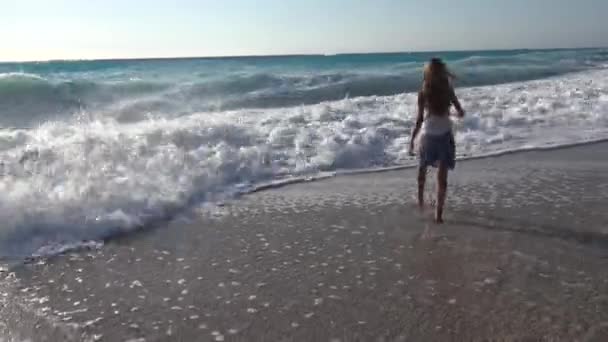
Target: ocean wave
{"points": [[84, 180], [29, 99], [133, 94]]}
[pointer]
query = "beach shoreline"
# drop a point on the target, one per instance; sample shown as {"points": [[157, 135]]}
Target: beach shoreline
{"points": [[523, 256]]}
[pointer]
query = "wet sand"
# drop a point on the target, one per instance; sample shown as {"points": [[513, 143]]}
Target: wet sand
{"points": [[523, 256]]}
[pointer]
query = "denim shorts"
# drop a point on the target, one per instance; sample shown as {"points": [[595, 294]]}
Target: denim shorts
{"points": [[437, 148]]}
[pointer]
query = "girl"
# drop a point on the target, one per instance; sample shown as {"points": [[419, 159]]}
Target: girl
{"points": [[436, 142]]}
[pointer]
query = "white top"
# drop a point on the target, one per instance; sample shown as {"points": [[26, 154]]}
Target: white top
{"points": [[436, 124]]}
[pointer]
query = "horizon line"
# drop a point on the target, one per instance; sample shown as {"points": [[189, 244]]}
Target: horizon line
{"points": [[244, 56]]}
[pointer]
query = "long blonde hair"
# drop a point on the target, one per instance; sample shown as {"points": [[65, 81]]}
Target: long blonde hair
{"points": [[437, 87]]}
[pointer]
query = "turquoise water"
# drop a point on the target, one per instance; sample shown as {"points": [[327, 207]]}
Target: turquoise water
{"points": [[31, 93], [89, 149]]}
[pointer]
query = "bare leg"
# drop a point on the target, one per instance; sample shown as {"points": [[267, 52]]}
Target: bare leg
{"points": [[421, 181], [442, 187]]}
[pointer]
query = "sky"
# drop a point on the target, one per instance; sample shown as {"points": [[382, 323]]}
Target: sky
{"points": [[89, 29]]}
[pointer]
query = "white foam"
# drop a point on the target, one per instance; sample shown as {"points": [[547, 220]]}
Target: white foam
{"points": [[66, 182]]}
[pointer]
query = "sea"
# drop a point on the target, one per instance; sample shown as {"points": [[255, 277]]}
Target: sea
{"points": [[94, 148]]}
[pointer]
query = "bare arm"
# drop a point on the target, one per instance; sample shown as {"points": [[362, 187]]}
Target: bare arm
{"points": [[419, 119], [457, 105]]}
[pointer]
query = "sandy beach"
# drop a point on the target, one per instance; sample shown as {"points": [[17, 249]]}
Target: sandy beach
{"points": [[523, 256]]}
